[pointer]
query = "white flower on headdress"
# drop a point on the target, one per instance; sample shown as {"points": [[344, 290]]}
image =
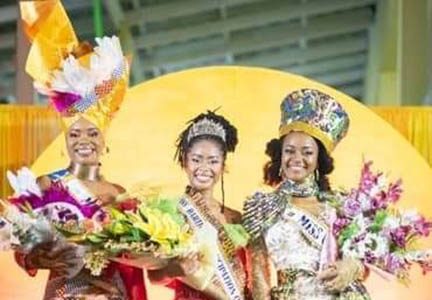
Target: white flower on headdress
{"points": [[77, 79], [74, 78], [107, 57]]}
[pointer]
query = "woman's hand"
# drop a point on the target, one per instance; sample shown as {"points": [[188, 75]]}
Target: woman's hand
{"points": [[336, 277], [177, 267], [62, 258], [184, 266]]}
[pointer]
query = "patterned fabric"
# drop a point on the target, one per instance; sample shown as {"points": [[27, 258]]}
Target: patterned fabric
{"points": [[294, 255], [315, 113], [109, 286], [184, 292], [308, 188]]}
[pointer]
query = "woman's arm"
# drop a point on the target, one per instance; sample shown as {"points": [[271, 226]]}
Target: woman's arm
{"points": [[342, 273], [63, 259], [176, 268], [260, 269]]}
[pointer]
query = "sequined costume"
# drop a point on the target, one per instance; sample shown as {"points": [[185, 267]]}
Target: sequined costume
{"points": [[278, 237], [233, 256], [297, 243]]}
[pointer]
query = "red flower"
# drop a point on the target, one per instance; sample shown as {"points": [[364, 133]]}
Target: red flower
{"points": [[130, 204]]}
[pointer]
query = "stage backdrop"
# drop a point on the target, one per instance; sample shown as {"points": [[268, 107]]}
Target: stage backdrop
{"points": [[143, 135]]}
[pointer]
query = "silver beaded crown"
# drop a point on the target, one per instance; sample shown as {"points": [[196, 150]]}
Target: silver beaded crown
{"points": [[206, 127]]}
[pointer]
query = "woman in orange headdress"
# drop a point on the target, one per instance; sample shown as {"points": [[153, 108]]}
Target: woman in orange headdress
{"points": [[86, 86]]}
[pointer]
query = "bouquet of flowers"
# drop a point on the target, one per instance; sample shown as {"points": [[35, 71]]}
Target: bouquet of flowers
{"points": [[139, 232], [370, 228], [141, 228], [22, 228]]}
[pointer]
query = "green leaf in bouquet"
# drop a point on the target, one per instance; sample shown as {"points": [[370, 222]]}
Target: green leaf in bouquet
{"points": [[141, 214], [136, 234], [97, 238], [119, 228], [127, 239], [378, 222], [348, 232], [69, 231], [117, 215], [167, 206], [237, 234]]}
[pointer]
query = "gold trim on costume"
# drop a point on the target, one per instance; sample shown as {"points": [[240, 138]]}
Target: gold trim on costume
{"points": [[313, 131]]}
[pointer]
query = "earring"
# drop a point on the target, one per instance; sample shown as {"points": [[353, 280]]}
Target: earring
{"points": [[107, 150], [317, 175], [223, 194]]}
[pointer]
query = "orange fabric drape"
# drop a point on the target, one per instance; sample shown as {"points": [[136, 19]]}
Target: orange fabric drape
{"points": [[25, 131], [414, 123]]}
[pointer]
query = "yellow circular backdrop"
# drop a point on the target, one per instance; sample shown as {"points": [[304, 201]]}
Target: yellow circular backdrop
{"points": [[142, 138]]}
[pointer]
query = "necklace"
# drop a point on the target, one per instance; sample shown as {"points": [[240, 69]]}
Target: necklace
{"points": [[305, 189], [84, 172]]}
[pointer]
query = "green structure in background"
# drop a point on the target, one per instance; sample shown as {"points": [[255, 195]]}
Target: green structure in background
{"points": [[98, 18]]}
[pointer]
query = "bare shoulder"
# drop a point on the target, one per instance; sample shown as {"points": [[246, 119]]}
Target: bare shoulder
{"points": [[44, 182], [115, 188], [232, 215]]}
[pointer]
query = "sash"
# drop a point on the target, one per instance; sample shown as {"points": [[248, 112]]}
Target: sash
{"points": [[83, 205], [76, 189], [223, 270], [310, 227]]}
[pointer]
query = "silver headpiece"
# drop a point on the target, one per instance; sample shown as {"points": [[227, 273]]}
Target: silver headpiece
{"points": [[206, 127]]}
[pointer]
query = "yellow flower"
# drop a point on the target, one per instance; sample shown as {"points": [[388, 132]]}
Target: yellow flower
{"points": [[161, 228]]}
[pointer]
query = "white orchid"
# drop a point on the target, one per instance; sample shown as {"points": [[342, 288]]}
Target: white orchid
{"points": [[24, 182], [391, 222], [410, 217]]}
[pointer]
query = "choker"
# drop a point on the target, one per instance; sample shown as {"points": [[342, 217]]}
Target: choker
{"points": [[84, 172], [307, 188]]}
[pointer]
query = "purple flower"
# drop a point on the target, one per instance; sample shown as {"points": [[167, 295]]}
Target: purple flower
{"points": [[426, 266], [422, 227], [339, 225], [351, 207], [370, 257], [367, 178], [399, 236], [394, 191], [394, 263], [56, 194]]}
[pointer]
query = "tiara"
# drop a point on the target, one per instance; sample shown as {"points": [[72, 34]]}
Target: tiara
{"points": [[206, 126]]}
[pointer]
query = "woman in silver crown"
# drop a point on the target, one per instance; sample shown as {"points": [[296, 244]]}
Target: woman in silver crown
{"points": [[201, 152]]}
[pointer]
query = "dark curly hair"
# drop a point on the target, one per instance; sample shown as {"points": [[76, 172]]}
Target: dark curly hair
{"points": [[272, 175], [229, 145]]}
